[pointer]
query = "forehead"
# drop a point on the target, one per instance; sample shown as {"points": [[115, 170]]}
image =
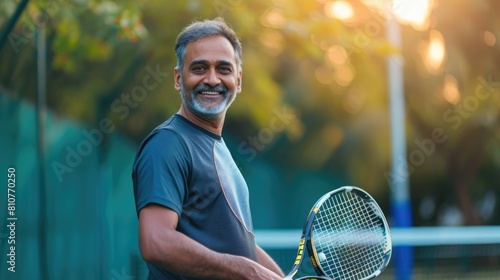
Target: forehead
{"points": [[212, 49]]}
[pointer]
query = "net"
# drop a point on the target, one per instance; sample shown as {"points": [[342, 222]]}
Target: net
{"points": [[461, 253]]}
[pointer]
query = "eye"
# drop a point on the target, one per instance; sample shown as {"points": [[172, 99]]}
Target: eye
{"points": [[198, 68], [225, 69]]}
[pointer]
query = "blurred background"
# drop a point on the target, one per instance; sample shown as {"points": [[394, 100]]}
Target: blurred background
{"points": [[400, 98]]}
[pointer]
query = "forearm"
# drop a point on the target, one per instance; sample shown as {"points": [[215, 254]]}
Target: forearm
{"points": [[187, 257], [162, 245], [265, 260]]}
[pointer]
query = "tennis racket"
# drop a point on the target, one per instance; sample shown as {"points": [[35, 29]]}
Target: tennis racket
{"points": [[347, 237]]}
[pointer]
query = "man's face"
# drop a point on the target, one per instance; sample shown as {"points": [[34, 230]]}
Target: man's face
{"points": [[210, 79]]}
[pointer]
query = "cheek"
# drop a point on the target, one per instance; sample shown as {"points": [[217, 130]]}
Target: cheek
{"points": [[191, 82], [231, 82]]}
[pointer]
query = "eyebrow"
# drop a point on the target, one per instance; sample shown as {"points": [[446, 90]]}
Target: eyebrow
{"points": [[218, 62]]}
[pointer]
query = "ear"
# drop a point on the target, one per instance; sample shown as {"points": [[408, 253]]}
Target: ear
{"points": [[239, 82], [177, 79]]}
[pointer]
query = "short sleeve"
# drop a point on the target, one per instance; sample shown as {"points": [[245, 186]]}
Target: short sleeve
{"points": [[160, 171]]}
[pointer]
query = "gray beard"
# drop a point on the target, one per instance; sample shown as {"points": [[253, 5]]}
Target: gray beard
{"points": [[210, 114]]}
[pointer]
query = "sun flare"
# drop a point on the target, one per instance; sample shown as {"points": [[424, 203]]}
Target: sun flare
{"points": [[342, 10], [413, 12]]}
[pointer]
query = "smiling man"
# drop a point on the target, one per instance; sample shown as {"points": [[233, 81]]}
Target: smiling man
{"points": [[191, 199]]}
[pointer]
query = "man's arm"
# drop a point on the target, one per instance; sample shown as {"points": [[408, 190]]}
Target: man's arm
{"points": [[161, 244], [266, 261]]}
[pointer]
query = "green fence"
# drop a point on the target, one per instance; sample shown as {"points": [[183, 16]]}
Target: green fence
{"points": [[87, 210], [82, 224]]}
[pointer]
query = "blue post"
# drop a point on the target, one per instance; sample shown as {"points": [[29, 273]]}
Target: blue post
{"points": [[402, 256], [401, 214]]}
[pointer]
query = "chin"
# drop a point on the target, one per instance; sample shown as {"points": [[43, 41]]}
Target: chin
{"points": [[213, 114], [210, 116]]}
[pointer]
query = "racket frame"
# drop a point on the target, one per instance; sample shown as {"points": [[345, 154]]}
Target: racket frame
{"points": [[309, 242], [305, 239]]}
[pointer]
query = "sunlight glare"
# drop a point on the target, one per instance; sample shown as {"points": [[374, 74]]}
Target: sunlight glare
{"points": [[450, 90], [273, 17], [434, 52], [413, 12], [340, 9], [336, 55], [489, 38]]}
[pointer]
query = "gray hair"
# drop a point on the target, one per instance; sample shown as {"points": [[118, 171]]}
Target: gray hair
{"points": [[206, 28]]}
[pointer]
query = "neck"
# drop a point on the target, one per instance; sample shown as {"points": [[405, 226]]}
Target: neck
{"points": [[214, 126]]}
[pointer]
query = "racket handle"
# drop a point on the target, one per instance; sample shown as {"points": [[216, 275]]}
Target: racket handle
{"points": [[314, 278]]}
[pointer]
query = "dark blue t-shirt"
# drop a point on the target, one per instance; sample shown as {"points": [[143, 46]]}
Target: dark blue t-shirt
{"points": [[190, 170]]}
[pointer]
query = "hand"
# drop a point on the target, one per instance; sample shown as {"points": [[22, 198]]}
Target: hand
{"points": [[250, 270], [263, 273]]}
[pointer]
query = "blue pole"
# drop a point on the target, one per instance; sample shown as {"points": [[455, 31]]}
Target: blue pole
{"points": [[401, 214]]}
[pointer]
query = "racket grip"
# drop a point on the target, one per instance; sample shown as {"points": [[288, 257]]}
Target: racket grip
{"points": [[314, 278], [308, 278]]}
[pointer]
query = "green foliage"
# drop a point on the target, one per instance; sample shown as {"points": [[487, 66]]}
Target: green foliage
{"points": [[326, 75]]}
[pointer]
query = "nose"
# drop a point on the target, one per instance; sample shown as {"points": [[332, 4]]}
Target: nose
{"points": [[212, 78]]}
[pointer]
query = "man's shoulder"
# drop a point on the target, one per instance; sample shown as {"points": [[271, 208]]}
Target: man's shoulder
{"points": [[176, 133], [175, 124], [168, 123], [168, 134]]}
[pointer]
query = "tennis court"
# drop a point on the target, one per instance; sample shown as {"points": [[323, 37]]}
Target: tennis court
{"points": [[400, 98], [438, 253]]}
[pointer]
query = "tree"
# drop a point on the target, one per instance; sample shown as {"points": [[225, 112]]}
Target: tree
{"points": [[314, 101]]}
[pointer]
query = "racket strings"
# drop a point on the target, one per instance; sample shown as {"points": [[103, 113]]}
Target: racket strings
{"points": [[351, 237]]}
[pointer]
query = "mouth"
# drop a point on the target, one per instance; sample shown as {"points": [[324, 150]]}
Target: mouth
{"points": [[209, 93]]}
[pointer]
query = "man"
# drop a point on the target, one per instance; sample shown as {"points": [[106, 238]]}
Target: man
{"points": [[191, 199]]}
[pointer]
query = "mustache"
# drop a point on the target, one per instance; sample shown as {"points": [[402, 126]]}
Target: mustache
{"points": [[204, 87]]}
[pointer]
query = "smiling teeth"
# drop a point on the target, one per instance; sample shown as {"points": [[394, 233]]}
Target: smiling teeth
{"points": [[210, 92]]}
